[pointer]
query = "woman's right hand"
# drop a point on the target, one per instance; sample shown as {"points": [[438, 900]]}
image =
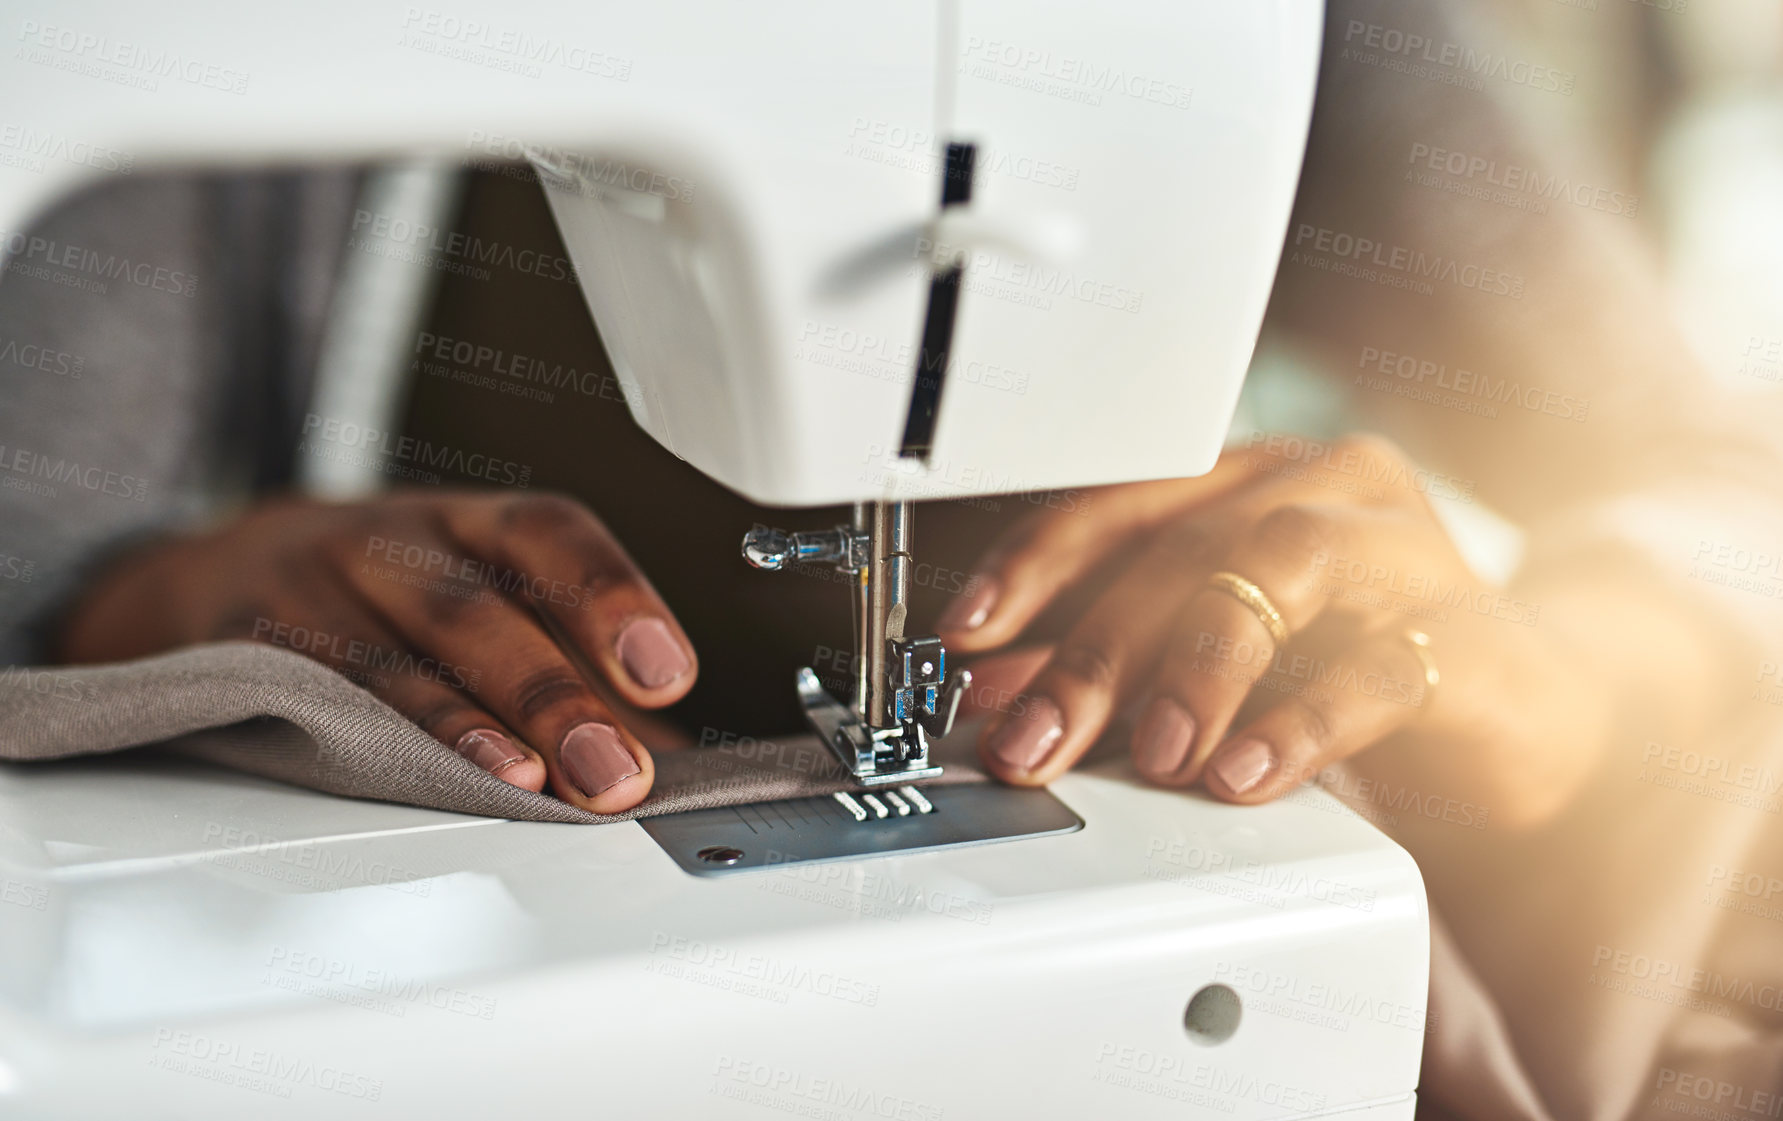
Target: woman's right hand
{"points": [[508, 626]]}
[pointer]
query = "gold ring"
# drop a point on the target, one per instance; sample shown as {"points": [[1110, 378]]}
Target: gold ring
{"points": [[1252, 597], [1420, 644]]}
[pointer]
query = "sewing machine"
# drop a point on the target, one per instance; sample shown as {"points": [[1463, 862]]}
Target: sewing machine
{"points": [[1058, 226]]}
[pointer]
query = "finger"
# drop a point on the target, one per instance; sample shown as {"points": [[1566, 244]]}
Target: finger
{"points": [[461, 724], [1343, 706], [552, 553], [1099, 665], [1069, 702], [354, 642], [530, 685], [1221, 647], [1118, 641], [998, 679], [1049, 551]]}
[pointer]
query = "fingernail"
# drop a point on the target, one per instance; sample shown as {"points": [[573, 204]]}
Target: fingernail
{"points": [[1243, 765], [489, 750], [595, 758], [650, 653], [970, 610], [1162, 741], [1023, 740]]}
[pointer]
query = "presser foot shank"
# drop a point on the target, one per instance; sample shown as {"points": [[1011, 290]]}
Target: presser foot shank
{"points": [[873, 760]]}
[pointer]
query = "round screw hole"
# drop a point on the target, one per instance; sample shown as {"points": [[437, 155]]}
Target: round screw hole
{"points": [[720, 854], [1212, 1015]]}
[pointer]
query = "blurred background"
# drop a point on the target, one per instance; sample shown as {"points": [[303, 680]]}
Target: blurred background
{"points": [[1684, 100]]}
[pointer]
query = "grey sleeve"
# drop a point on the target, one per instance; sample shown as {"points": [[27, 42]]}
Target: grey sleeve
{"points": [[156, 337]]}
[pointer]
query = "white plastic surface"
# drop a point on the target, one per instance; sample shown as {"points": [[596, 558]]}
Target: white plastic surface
{"points": [[180, 942], [747, 192]]}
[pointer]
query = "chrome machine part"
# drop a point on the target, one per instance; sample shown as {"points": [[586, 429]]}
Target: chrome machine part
{"points": [[888, 595], [769, 548], [903, 693]]}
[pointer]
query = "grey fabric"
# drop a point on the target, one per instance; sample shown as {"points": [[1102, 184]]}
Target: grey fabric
{"points": [[275, 713]]}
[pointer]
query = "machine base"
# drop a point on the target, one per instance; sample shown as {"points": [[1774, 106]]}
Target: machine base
{"points": [[185, 942]]}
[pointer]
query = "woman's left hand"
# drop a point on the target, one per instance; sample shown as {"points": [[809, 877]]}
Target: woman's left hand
{"points": [[1388, 635]]}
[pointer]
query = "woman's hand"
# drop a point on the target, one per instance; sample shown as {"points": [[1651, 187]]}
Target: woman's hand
{"points": [[507, 626], [1343, 544]]}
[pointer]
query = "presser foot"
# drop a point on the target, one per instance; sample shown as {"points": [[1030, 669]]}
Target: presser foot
{"points": [[884, 757]]}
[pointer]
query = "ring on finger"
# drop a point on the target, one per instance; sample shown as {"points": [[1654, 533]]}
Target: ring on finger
{"points": [[1253, 598], [1420, 644]]}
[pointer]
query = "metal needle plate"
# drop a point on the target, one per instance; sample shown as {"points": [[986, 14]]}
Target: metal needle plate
{"points": [[815, 830]]}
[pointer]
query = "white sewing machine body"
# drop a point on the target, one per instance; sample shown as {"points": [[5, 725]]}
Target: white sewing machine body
{"points": [[751, 197], [248, 949]]}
